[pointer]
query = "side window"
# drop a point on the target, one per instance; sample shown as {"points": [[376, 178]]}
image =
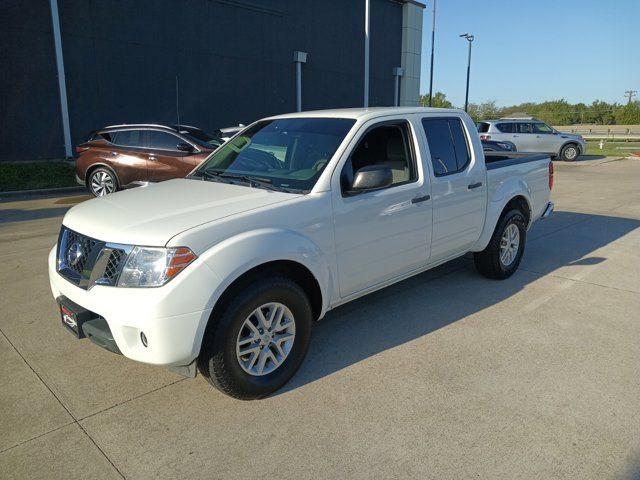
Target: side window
{"points": [[128, 138], [505, 127], [542, 128], [447, 144], [524, 128], [384, 145], [163, 140]]}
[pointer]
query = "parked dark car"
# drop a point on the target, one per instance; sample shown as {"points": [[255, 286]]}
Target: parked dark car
{"points": [[123, 156], [495, 146]]}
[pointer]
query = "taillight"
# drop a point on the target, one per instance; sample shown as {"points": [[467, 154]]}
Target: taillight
{"points": [[550, 175], [81, 149]]}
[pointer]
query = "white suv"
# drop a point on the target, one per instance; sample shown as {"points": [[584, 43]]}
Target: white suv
{"points": [[532, 135]]}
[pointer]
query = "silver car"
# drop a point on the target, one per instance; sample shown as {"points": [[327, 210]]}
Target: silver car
{"points": [[532, 135]]}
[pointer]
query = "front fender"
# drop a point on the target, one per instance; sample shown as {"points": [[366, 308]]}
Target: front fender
{"points": [[237, 255], [501, 192]]}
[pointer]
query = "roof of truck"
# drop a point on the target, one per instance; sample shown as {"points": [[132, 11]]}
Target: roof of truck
{"points": [[365, 113]]}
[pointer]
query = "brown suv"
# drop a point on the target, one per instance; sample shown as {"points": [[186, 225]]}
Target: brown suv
{"points": [[123, 156]]}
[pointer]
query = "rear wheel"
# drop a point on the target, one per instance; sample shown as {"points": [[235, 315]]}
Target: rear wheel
{"points": [[503, 254], [569, 153], [257, 343], [102, 181]]}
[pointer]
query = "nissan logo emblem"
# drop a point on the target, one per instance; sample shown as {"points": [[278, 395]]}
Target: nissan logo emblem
{"points": [[74, 254]]}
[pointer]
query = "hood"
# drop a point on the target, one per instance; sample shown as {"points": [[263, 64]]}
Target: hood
{"points": [[570, 135], [152, 215]]}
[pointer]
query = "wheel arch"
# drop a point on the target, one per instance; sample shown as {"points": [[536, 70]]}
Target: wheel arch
{"points": [[570, 142], [90, 169], [516, 199]]}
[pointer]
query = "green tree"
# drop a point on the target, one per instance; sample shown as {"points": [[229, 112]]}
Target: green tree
{"points": [[484, 111], [439, 101], [629, 114]]}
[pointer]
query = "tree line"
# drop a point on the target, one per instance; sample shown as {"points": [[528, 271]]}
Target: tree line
{"points": [[554, 112]]}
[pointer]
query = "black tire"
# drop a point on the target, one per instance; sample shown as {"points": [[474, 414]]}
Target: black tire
{"points": [[105, 173], [218, 362], [488, 262], [570, 152]]}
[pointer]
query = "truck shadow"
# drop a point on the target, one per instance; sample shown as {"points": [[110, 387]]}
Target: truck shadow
{"points": [[413, 308]]}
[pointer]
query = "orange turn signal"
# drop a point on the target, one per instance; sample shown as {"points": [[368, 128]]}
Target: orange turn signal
{"points": [[180, 258]]}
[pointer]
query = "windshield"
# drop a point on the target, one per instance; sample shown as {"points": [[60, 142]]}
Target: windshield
{"points": [[287, 154]]}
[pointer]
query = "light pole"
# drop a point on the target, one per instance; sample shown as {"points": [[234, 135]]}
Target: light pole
{"points": [[367, 11], [397, 73], [469, 38], [433, 42], [299, 58]]}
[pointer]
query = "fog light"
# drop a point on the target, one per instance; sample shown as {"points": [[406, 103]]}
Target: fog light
{"points": [[143, 339]]}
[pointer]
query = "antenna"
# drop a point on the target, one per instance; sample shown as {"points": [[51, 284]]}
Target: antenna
{"points": [[177, 103]]}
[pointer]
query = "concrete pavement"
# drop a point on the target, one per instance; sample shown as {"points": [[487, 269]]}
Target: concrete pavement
{"points": [[445, 375]]}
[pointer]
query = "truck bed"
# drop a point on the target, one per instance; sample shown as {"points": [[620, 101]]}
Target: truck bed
{"points": [[495, 160]]}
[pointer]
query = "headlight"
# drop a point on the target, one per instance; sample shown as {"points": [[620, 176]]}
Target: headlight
{"points": [[506, 146], [153, 267]]}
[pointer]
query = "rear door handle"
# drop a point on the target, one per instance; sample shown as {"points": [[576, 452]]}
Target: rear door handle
{"points": [[152, 158], [474, 185], [114, 153], [420, 199]]}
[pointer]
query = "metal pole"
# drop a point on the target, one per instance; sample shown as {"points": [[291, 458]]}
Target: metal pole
{"points": [[433, 42], [298, 86], [466, 98], [395, 91], [61, 78], [366, 53]]}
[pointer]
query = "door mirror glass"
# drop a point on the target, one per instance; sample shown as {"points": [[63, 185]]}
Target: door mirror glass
{"points": [[371, 177], [184, 147]]}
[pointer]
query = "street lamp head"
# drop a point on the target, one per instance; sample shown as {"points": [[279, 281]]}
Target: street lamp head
{"points": [[468, 36]]}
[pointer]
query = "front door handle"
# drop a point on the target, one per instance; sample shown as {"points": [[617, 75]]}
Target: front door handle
{"points": [[474, 185], [114, 153], [152, 158], [420, 199]]}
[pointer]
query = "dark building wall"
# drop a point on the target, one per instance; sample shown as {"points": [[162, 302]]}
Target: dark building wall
{"points": [[30, 122], [233, 59]]}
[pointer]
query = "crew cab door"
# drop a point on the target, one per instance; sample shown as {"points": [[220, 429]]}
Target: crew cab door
{"points": [[384, 233], [165, 161], [524, 138], [458, 185]]}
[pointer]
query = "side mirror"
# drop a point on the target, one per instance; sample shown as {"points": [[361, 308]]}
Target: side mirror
{"points": [[371, 177], [184, 147]]}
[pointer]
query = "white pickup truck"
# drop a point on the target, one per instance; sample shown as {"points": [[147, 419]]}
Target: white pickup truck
{"points": [[226, 270]]}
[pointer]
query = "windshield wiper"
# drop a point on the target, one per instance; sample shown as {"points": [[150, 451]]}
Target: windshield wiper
{"points": [[251, 180]]}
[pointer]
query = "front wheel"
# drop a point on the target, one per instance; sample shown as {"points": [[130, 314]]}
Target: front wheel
{"points": [[569, 153], [503, 254], [257, 343]]}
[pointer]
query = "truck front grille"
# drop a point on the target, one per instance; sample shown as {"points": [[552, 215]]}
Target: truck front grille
{"points": [[85, 261]]}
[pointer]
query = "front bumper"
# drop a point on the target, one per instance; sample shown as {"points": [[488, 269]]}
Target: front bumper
{"points": [[172, 317]]}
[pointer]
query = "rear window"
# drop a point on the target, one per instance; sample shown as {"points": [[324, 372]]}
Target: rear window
{"points": [[447, 145], [483, 127], [126, 138], [505, 127]]}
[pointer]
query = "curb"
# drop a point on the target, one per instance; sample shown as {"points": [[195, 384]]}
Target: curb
{"points": [[41, 192]]}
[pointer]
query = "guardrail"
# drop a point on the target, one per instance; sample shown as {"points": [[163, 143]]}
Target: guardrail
{"points": [[621, 133]]}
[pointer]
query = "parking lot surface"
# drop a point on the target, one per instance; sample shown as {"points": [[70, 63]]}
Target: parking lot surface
{"points": [[445, 375]]}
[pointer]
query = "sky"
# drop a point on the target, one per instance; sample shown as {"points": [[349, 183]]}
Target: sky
{"points": [[579, 50]]}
